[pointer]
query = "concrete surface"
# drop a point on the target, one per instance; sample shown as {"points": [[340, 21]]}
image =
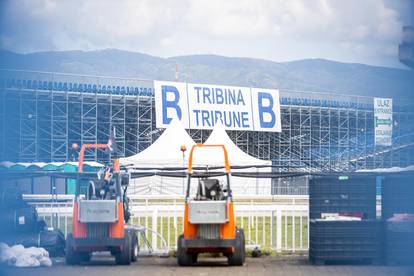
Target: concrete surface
{"points": [[286, 265]]}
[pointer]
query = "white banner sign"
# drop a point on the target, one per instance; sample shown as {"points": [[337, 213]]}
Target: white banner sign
{"points": [[200, 106], [383, 121]]}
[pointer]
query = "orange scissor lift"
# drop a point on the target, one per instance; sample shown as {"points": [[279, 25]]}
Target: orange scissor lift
{"points": [[209, 221], [99, 222]]}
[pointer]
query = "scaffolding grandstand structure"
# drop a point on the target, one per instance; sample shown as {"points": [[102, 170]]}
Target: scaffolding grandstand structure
{"points": [[43, 114]]}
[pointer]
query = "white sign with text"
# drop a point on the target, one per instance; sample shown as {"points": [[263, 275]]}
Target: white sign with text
{"points": [[201, 106], [383, 121]]}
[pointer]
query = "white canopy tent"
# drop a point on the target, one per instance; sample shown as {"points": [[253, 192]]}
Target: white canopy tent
{"points": [[165, 153], [237, 157]]}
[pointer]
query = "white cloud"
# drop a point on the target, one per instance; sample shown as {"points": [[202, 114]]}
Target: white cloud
{"points": [[344, 30]]}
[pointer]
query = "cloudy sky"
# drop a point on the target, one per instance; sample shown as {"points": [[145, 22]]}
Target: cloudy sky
{"points": [[363, 31]]}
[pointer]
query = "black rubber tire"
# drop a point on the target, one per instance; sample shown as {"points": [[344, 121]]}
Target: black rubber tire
{"points": [[238, 257], [124, 256], [183, 258], [244, 244], [85, 256], [194, 257], [134, 247], [72, 257]]}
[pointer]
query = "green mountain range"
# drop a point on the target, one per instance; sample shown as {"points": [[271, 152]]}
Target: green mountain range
{"points": [[317, 75]]}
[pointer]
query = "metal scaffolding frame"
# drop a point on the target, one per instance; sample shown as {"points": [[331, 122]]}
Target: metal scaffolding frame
{"points": [[41, 124]]}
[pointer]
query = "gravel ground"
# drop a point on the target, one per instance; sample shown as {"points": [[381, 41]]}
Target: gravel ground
{"points": [[286, 265]]}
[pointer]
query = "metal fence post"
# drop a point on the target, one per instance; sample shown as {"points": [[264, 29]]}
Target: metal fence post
{"points": [[293, 230], [272, 214], [279, 230], [154, 228]]}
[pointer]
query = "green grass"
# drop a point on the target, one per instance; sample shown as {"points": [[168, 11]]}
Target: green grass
{"points": [[254, 236]]}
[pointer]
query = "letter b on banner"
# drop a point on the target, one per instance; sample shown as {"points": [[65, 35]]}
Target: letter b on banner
{"points": [[266, 109], [170, 99], [170, 102], [265, 102]]}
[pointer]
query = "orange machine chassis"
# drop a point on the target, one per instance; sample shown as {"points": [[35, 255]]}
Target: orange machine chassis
{"points": [[227, 230]]}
